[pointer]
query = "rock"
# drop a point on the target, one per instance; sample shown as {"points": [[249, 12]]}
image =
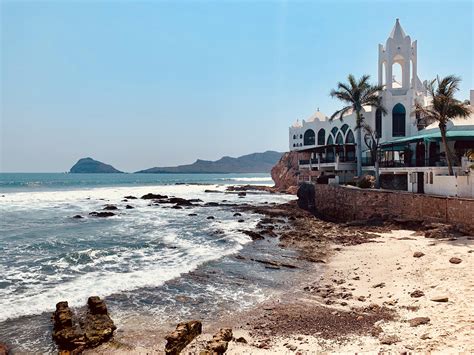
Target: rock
{"points": [[285, 171], [110, 208], [425, 336], [361, 298], [219, 342], [455, 260], [389, 339], [211, 204], [177, 207], [210, 217], [213, 191], [417, 294], [242, 194], [151, 196], [241, 220], [252, 234], [98, 326], [237, 214], [129, 207], [415, 322], [130, 197], [185, 333], [306, 194], [77, 216], [89, 331], [379, 285], [192, 214], [180, 201], [241, 340], [440, 299], [102, 214], [418, 254], [4, 349]]}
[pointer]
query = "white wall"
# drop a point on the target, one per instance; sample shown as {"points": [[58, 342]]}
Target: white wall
{"points": [[460, 186]]}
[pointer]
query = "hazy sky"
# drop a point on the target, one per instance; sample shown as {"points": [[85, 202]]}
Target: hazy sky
{"points": [[158, 83]]}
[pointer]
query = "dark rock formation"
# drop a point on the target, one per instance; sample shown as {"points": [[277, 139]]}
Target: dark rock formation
{"points": [[455, 260], [75, 334], [151, 196], [415, 322], [129, 207], [90, 166], [102, 214], [77, 216], [110, 208], [418, 254], [306, 195], [184, 334], [130, 197]]}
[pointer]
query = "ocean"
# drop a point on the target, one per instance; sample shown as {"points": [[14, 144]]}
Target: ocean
{"points": [[151, 262]]}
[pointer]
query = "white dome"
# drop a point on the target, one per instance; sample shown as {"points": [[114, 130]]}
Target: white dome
{"points": [[317, 116], [297, 124]]}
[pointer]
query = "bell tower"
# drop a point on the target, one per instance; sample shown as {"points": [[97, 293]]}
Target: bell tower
{"points": [[399, 53]]}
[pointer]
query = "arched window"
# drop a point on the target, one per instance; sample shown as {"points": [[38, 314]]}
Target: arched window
{"points": [[397, 74], [398, 120], [330, 140], [309, 137], [350, 137], [344, 128], [294, 136], [321, 136], [334, 131], [378, 123], [339, 139]]}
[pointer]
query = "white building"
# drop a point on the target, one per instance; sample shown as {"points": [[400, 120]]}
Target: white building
{"points": [[410, 150]]}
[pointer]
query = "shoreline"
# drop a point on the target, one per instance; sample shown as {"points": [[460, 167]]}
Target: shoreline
{"points": [[360, 301]]}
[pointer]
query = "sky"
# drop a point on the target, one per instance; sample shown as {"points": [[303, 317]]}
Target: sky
{"points": [[161, 83]]}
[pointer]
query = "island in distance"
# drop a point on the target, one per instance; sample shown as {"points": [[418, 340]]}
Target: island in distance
{"points": [[91, 166], [250, 163]]}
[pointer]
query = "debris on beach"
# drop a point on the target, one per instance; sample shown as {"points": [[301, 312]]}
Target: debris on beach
{"points": [[184, 334]]}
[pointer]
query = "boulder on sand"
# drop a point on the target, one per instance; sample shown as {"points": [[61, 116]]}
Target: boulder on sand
{"points": [[184, 334], [75, 334], [218, 344]]}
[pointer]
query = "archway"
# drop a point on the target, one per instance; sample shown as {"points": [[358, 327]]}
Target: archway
{"points": [[309, 137], [321, 136], [398, 120]]}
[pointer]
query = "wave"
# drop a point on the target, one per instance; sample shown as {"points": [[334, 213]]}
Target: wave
{"points": [[247, 179]]}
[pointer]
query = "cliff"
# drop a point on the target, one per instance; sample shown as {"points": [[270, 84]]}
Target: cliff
{"points": [[284, 172], [250, 163], [91, 166]]}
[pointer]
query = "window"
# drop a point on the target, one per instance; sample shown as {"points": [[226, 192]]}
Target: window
{"points": [[330, 140], [339, 139], [294, 136], [378, 123], [321, 136], [398, 120], [334, 131], [301, 136], [309, 137], [344, 128], [350, 137]]}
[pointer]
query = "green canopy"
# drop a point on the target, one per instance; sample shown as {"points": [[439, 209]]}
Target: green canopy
{"points": [[433, 136]]}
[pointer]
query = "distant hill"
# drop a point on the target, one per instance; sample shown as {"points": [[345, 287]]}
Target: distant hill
{"points": [[250, 163], [89, 166]]}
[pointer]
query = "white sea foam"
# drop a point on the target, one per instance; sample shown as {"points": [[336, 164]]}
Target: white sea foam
{"points": [[121, 267], [249, 179]]}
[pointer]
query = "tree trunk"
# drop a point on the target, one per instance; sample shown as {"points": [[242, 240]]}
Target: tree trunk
{"points": [[377, 174], [442, 129], [359, 145]]}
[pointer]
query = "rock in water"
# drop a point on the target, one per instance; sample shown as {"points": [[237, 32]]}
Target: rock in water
{"points": [[184, 334], [89, 331], [66, 334], [89, 165], [98, 326]]}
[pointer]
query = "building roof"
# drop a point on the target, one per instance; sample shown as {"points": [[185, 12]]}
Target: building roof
{"points": [[397, 31], [466, 133], [317, 116]]}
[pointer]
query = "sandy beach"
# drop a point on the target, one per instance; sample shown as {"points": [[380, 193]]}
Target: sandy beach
{"points": [[378, 289]]}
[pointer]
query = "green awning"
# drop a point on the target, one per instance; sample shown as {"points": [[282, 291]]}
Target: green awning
{"points": [[434, 136]]}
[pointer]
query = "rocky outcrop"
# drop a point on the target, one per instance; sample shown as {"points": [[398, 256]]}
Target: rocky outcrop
{"points": [[218, 344], [3, 349], [75, 333], [91, 166], [284, 173], [184, 334]]}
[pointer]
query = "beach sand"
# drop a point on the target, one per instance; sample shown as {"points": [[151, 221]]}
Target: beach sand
{"points": [[363, 300]]}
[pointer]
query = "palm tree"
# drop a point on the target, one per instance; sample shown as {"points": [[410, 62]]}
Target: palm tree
{"points": [[443, 108], [357, 94], [371, 139]]}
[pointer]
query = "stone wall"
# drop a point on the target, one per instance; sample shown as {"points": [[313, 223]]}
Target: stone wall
{"points": [[347, 204]]}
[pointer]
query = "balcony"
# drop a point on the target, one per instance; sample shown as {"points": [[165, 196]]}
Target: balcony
{"points": [[328, 163]]}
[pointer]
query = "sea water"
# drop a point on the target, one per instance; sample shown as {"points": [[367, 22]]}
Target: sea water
{"points": [[150, 262]]}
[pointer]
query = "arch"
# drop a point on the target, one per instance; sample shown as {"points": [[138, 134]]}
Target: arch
{"points": [[339, 139], [334, 131], [330, 140], [344, 128], [397, 73], [384, 73], [398, 120], [378, 123], [294, 136], [321, 136], [309, 137], [350, 137]]}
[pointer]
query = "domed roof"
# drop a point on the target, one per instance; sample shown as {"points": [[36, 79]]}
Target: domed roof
{"points": [[317, 116], [297, 124]]}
